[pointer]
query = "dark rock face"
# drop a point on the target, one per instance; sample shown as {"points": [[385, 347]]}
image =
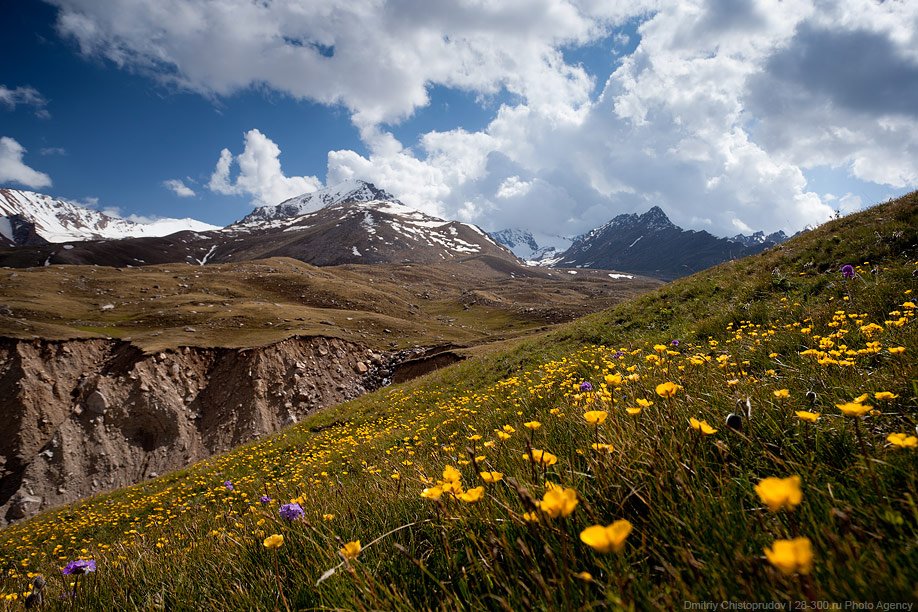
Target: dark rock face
{"points": [[650, 244]]}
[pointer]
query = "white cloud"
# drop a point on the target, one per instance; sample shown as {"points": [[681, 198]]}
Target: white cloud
{"points": [[375, 58], [26, 96], [12, 170], [513, 187], [715, 116], [259, 173], [179, 188]]}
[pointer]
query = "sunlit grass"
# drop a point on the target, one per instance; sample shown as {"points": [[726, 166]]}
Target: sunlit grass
{"points": [[742, 434]]}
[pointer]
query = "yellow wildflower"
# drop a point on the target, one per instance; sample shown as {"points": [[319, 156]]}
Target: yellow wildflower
{"points": [[558, 501], [432, 493], [606, 539], [809, 417], [884, 395], [274, 541], [633, 411], [668, 389], [351, 550], [702, 426], [644, 403], [778, 493], [533, 425], [491, 477], [791, 556], [781, 393], [853, 409], [595, 417], [602, 447], [472, 495], [585, 576], [614, 380], [451, 474], [541, 457], [902, 440]]}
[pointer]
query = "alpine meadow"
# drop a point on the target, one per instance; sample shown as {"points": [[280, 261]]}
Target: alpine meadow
{"points": [[746, 433]]}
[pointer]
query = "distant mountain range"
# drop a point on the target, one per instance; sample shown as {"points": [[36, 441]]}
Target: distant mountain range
{"points": [[352, 222], [648, 244]]}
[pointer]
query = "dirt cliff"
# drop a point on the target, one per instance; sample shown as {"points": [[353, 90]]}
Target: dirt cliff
{"points": [[81, 416]]}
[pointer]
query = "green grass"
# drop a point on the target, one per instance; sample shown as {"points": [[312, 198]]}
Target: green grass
{"points": [[699, 529]]}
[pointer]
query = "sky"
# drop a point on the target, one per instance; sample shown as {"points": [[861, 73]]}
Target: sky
{"points": [[547, 115]]}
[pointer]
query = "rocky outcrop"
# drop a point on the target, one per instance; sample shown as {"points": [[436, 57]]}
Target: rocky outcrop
{"points": [[83, 416]]}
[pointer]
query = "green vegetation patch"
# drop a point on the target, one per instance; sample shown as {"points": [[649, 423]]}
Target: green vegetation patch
{"points": [[746, 434]]}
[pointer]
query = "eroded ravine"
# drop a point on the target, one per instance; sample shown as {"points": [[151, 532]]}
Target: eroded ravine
{"points": [[84, 416]]}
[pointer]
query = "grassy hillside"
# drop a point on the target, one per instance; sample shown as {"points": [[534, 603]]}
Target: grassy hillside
{"points": [[775, 340]]}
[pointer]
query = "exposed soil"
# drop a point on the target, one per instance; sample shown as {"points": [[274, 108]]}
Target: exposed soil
{"points": [[84, 416]]}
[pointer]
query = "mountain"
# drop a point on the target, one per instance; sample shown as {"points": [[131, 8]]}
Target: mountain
{"points": [[652, 245], [541, 250], [350, 223], [760, 238], [29, 218], [352, 190]]}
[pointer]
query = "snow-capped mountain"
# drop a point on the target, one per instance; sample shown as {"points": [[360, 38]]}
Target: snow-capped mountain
{"points": [[352, 223], [352, 190], [534, 249], [28, 218], [760, 238], [650, 244]]}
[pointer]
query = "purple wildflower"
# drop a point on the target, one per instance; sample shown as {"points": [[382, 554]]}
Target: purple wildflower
{"points": [[586, 386], [229, 485], [675, 343], [618, 354], [79, 566], [264, 499], [291, 512], [847, 271]]}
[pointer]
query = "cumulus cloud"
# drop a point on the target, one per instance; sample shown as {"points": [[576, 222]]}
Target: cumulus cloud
{"points": [[513, 187], [13, 170], [259, 173], [375, 58], [713, 110], [683, 123], [179, 188], [23, 96]]}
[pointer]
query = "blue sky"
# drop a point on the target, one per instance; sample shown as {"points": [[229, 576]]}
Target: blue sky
{"points": [[552, 115]]}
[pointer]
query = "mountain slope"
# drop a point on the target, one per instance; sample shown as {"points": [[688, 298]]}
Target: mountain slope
{"points": [[350, 225], [539, 250], [652, 245], [49, 219], [399, 470]]}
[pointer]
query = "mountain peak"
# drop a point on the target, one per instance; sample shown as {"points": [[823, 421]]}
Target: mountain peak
{"points": [[350, 190], [655, 217]]}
